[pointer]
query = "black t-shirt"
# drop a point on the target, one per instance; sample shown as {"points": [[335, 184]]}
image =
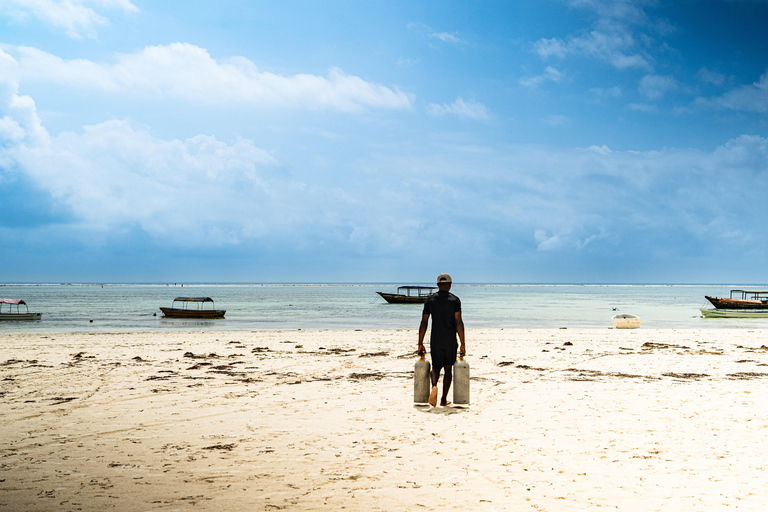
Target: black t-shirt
{"points": [[442, 306]]}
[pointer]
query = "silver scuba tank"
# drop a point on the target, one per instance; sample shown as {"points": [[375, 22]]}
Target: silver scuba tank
{"points": [[421, 381], [461, 382]]}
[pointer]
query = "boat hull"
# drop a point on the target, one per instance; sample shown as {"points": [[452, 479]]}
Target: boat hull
{"points": [[397, 298], [626, 321], [736, 303], [734, 313], [21, 316], [193, 313]]}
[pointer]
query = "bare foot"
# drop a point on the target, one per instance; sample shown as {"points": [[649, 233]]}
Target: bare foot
{"points": [[444, 403], [433, 396]]}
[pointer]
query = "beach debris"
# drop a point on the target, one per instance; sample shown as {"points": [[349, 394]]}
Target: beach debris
{"points": [[201, 356], [57, 400], [374, 354], [226, 447], [257, 350], [746, 375], [506, 363], [648, 345], [685, 375], [526, 367], [367, 376], [567, 344]]}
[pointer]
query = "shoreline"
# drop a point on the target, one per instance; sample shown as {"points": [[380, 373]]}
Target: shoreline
{"points": [[560, 419]]}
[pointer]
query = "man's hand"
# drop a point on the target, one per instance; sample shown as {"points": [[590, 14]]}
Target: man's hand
{"points": [[462, 351], [421, 350]]}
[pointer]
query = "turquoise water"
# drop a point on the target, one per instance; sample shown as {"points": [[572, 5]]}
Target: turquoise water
{"points": [[134, 307]]}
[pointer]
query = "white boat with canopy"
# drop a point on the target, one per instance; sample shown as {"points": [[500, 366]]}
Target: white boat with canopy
{"points": [[10, 309]]}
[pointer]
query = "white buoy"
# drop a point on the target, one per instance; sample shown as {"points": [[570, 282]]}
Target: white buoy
{"points": [[461, 382], [421, 381]]}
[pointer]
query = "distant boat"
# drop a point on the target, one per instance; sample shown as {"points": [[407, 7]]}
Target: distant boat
{"points": [[626, 321], [10, 314], [198, 312], [412, 295], [734, 313], [745, 299]]}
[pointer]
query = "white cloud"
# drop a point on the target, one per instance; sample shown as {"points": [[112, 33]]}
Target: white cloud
{"points": [[643, 107], [612, 37], [710, 77], [601, 93], [75, 17], [204, 192], [185, 71], [550, 75], [615, 48], [429, 33], [446, 37], [466, 109], [556, 120], [654, 87], [545, 242], [749, 98]]}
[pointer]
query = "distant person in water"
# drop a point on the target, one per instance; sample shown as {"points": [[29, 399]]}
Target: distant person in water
{"points": [[445, 309]]}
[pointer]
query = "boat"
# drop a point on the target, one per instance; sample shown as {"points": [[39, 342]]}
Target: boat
{"points": [[10, 314], [626, 321], [412, 295], [744, 299], [734, 313], [184, 311]]}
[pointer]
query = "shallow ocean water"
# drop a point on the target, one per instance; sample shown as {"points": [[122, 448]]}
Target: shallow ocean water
{"points": [[135, 307]]}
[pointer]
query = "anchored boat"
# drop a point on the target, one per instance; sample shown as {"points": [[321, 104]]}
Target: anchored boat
{"points": [[11, 314], [183, 310], [412, 295], [734, 313], [744, 299]]}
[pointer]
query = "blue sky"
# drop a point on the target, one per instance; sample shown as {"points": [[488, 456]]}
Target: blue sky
{"points": [[551, 141]]}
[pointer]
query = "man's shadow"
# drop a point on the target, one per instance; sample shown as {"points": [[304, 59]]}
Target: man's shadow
{"points": [[445, 410]]}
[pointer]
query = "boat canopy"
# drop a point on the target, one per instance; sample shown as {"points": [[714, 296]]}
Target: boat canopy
{"points": [[752, 294], [12, 301], [420, 291], [193, 299]]}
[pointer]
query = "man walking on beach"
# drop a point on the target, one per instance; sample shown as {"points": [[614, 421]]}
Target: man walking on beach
{"points": [[445, 309]]}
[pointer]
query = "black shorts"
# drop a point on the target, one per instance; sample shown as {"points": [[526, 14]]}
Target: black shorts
{"points": [[442, 357]]}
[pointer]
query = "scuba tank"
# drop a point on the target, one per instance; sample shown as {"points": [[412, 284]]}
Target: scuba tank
{"points": [[461, 381], [422, 384]]}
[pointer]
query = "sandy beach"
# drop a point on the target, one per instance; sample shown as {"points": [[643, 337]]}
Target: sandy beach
{"points": [[560, 420]]}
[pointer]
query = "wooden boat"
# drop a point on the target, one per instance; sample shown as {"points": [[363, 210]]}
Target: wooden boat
{"points": [[412, 295], [744, 299], [734, 313], [10, 314], [626, 321], [198, 312]]}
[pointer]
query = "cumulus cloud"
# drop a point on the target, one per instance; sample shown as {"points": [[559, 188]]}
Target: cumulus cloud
{"points": [[618, 49], [550, 74], [467, 109], [654, 87], [77, 18], [612, 38], [186, 71], [202, 191], [749, 98]]}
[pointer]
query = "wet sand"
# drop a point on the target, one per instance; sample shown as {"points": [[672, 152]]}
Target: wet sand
{"points": [[560, 420]]}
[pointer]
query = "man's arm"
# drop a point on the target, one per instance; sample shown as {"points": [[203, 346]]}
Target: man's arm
{"points": [[422, 332], [460, 331]]}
